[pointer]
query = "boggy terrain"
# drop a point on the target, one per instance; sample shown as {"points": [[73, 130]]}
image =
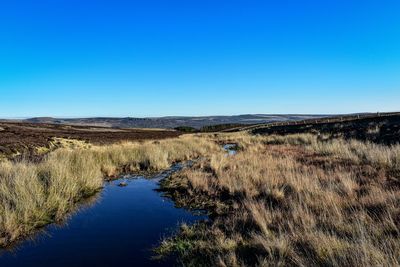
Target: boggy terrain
{"points": [[289, 200], [296, 200], [34, 194]]}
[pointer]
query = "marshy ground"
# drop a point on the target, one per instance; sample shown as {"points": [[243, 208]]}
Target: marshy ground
{"points": [[297, 200], [119, 226], [289, 200], [35, 194]]}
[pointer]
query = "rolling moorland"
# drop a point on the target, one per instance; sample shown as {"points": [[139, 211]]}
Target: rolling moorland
{"points": [[307, 193], [35, 136], [172, 121], [34, 139]]}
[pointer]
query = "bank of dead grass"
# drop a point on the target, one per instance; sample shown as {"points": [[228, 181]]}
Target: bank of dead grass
{"points": [[274, 208], [298, 200], [35, 194]]}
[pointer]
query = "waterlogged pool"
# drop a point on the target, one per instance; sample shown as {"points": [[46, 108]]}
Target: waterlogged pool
{"points": [[119, 228], [230, 148]]}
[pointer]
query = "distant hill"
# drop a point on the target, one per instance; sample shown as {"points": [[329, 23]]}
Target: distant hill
{"points": [[174, 121], [374, 127]]}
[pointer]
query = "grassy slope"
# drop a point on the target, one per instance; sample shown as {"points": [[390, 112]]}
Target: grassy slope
{"points": [[292, 201], [382, 129]]}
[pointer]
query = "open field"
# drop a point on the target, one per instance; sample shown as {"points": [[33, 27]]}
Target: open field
{"points": [[25, 138]]}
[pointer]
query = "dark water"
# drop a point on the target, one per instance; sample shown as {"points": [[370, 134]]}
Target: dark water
{"points": [[231, 149], [119, 229]]}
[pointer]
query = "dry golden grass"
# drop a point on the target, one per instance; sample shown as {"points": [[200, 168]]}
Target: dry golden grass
{"points": [[33, 195], [297, 200]]}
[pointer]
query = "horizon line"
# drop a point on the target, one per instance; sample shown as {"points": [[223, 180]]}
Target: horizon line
{"points": [[196, 116]]}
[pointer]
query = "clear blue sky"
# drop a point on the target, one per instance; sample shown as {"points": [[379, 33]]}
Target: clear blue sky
{"points": [[198, 57]]}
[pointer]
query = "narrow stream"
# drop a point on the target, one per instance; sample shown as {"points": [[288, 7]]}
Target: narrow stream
{"points": [[119, 229]]}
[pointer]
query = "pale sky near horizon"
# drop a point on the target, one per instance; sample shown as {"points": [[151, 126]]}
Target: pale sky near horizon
{"points": [[71, 58]]}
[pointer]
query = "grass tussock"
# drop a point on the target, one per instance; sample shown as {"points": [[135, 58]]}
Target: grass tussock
{"points": [[355, 151], [297, 200], [33, 195]]}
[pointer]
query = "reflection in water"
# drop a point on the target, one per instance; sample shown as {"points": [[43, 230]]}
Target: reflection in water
{"points": [[118, 227], [43, 233]]}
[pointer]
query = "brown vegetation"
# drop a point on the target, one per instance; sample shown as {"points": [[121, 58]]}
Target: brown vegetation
{"points": [[297, 200], [25, 138], [35, 194], [381, 128]]}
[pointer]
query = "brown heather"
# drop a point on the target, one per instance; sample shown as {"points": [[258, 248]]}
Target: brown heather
{"points": [[297, 200]]}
